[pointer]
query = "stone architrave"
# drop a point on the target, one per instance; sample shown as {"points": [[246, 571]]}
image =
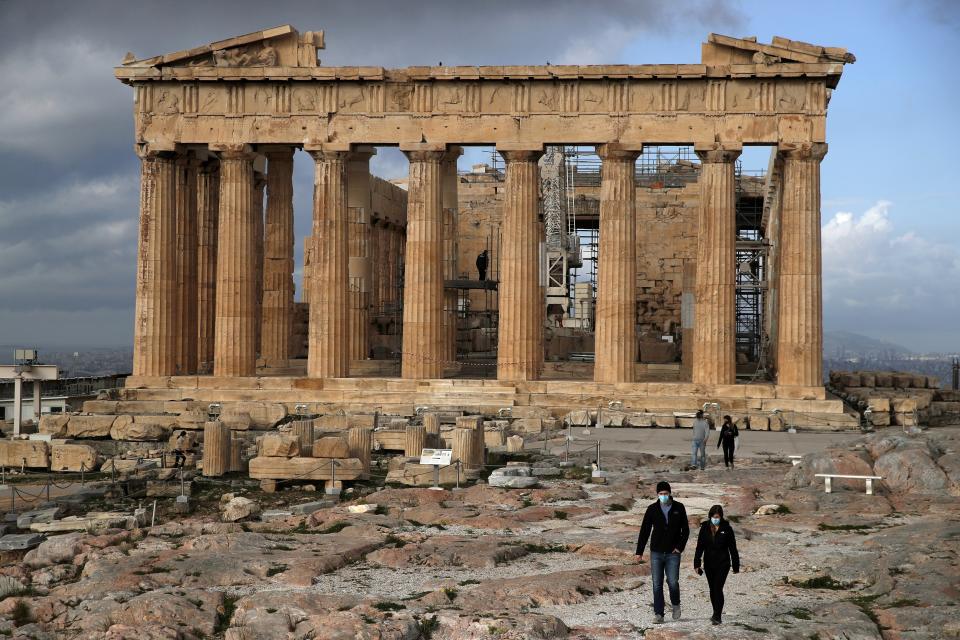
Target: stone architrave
{"points": [[276, 329], [359, 208], [519, 347], [328, 351], [800, 297], [422, 355], [714, 330], [235, 330], [616, 312], [208, 197], [154, 345], [187, 245]]}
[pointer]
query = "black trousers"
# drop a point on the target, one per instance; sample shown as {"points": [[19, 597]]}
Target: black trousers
{"points": [[728, 453], [716, 578], [483, 273]]}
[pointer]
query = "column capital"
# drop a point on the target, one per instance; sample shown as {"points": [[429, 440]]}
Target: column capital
{"points": [[717, 152], [362, 152], [803, 150], [151, 152], [233, 151], [520, 155], [618, 151], [425, 153], [453, 152], [327, 155], [276, 151]]}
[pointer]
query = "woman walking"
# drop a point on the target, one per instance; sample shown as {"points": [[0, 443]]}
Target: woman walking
{"points": [[728, 440], [717, 547]]}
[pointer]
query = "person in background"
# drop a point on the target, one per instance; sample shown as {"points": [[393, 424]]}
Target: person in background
{"points": [[180, 444], [701, 432], [728, 440], [482, 263], [717, 547], [665, 526]]}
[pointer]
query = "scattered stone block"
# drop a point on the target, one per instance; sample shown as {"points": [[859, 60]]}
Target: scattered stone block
{"points": [[93, 521], [514, 444], [578, 418], [30, 453], [306, 508], [768, 510], [54, 424], [49, 514], [513, 477], [9, 586], [362, 508], [284, 445], [161, 489], [528, 425], [238, 508], [91, 426], [261, 415], [331, 447], [140, 430], [20, 541], [73, 457]]}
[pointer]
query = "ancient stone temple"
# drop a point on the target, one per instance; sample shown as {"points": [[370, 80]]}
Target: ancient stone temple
{"points": [[217, 128]]}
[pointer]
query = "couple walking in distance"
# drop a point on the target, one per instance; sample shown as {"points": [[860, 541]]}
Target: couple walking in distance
{"points": [[665, 526]]}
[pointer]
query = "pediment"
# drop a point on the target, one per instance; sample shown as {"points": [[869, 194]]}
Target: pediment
{"points": [[281, 46]]}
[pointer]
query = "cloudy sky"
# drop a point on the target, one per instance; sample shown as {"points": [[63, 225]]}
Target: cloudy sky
{"points": [[68, 174]]}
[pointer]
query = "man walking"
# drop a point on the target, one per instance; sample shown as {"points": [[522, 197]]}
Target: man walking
{"points": [[665, 526], [701, 432]]}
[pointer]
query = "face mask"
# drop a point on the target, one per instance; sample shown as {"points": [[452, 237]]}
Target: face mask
{"points": [[664, 499], [715, 522]]}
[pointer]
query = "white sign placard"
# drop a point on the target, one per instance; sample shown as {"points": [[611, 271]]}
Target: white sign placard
{"points": [[440, 457]]}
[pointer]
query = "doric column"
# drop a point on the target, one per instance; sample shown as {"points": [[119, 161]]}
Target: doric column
{"points": [[359, 205], [276, 328], [208, 198], [423, 268], [187, 327], [714, 330], [259, 183], [616, 313], [519, 343], [235, 325], [450, 251], [154, 347], [377, 268], [800, 314], [328, 354]]}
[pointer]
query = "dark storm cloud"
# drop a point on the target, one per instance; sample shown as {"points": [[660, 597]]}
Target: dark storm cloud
{"points": [[68, 176]]}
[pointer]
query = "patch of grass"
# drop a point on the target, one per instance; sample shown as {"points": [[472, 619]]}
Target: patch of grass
{"points": [[544, 548], [576, 473], [148, 571], [525, 502], [560, 515], [863, 603], [584, 591], [800, 613], [417, 595], [782, 509], [466, 582], [751, 628], [823, 526], [381, 510], [282, 547], [389, 606], [224, 616], [275, 569], [301, 528], [616, 506], [818, 582], [271, 610], [904, 602], [395, 542], [451, 593], [336, 527], [21, 614], [427, 626]]}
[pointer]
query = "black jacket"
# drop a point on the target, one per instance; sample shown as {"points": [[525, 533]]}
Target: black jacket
{"points": [[727, 435], [718, 551], [666, 535]]}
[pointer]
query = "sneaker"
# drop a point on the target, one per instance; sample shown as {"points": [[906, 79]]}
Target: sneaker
{"points": [[658, 619], [676, 612]]}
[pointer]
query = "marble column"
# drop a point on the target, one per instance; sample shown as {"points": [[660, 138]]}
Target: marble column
{"points": [[359, 206], [328, 350], [519, 343], [276, 329], [800, 312], [208, 198], [154, 346], [450, 251], [187, 244], [714, 329], [235, 324], [378, 267], [259, 183], [616, 312], [423, 269]]}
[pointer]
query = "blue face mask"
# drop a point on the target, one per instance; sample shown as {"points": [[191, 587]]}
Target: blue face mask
{"points": [[715, 522], [664, 499]]}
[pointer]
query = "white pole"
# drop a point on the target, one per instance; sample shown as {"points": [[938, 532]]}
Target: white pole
{"points": [[17, 403]]}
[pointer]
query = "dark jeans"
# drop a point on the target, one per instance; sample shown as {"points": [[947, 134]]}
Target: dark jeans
{"points": [[728, 448], [668, 563], [716, 577], [178, 458]]}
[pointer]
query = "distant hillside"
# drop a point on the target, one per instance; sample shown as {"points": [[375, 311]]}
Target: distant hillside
{"points": [[845, 344]]}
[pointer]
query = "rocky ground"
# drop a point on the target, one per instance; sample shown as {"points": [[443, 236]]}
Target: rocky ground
{"points": [[555, 561]]}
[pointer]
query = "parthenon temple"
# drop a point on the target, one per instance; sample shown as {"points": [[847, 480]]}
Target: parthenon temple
{"points": [[630, 257]]}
